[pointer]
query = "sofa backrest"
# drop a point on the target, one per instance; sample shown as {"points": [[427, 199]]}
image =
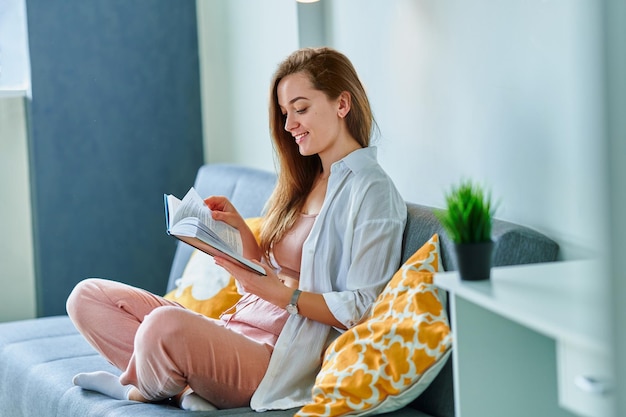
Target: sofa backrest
{"points": [[515, 244], [249, 189]]}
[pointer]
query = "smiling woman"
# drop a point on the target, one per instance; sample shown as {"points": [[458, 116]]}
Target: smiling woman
{"points": [[305, 107], [330, 239], [317, 100]]}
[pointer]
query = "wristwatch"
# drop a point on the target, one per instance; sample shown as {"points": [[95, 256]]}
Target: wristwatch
{"points": [[292, 307]]}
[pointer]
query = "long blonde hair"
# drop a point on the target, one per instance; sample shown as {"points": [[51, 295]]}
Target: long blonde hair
{"points": [[332, 73]]}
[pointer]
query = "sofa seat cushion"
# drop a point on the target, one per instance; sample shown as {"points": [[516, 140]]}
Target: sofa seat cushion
{"points": [[38, 359]]}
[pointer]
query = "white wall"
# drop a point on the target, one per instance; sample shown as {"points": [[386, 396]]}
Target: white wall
{"points": [[17, 275], [510, 93], [241, 42], [507, 93]]}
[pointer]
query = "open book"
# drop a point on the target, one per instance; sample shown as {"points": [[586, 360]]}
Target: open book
{"points": [[190, 221]]}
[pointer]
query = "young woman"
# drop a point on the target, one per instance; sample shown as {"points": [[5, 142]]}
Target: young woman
{"points": [[330, 241]]}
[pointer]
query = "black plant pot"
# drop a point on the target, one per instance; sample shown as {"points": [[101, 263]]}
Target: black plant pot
{"points": [[474, 260]]}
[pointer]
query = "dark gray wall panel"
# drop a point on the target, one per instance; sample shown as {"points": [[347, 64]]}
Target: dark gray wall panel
{"points": [[115, 122]]}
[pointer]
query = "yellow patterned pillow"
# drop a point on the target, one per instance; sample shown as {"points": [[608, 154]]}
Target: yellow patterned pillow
{"points": [[205, 287], [385, 362]]}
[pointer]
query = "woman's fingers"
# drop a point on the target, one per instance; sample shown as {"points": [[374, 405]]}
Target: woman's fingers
{"points": [[223, 210]]}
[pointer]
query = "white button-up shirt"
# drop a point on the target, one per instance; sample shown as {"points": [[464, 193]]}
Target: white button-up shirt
{"points": [[353, 250]]}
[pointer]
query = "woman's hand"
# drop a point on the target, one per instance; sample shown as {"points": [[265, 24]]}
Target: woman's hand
{"points": [[223, 210], [270, 287]]}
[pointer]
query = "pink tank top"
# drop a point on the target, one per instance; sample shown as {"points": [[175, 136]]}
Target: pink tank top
{"points": [[259, 319]]}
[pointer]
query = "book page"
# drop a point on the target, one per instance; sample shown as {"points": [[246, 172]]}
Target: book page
{"points": [[190, 221], [192, 205]]}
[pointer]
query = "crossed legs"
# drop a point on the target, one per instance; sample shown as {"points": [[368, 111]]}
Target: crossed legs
{"points": [[163, 348]]}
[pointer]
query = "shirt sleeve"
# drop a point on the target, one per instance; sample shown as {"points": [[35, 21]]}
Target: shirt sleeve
{"points": [[375, 257]]}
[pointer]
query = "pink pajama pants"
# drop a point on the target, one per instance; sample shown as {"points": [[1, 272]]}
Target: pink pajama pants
{"points": [[162, 347]]}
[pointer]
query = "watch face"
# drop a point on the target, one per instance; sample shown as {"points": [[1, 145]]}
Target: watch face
{"points": [[292, 309]]}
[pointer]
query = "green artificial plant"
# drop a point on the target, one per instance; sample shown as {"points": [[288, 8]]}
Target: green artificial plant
{"points": [[469, 213]]}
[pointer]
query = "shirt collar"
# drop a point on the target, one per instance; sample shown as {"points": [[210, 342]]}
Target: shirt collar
{"points": [[357, 160]]}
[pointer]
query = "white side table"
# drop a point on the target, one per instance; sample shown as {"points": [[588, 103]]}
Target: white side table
{"points": [[531, 341]]}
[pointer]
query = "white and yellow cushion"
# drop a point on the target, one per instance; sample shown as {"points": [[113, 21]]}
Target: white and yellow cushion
{"points": [[205, 287], [385, 362]]}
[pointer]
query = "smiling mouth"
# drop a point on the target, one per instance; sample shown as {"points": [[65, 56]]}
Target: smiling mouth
{"points": [[299, 137]]}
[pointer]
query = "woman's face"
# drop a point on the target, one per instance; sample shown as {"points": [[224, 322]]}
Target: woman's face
{"points": [[309, 115]]}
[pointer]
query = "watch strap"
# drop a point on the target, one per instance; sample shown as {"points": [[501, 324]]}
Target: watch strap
{"points": [[294, 297], [292, 307]]}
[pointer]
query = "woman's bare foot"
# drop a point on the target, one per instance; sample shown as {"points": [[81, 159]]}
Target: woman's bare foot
{"points": [[135, 395]]}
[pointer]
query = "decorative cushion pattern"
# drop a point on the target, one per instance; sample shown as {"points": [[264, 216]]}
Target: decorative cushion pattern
{"points": [[205, 287], [385, 362]]}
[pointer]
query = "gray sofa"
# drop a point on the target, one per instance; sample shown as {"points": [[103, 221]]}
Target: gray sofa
{"points": [[39, 357]]}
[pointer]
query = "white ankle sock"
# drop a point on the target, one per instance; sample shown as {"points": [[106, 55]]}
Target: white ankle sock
{"points": [[191, 401], [104, 383]]}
